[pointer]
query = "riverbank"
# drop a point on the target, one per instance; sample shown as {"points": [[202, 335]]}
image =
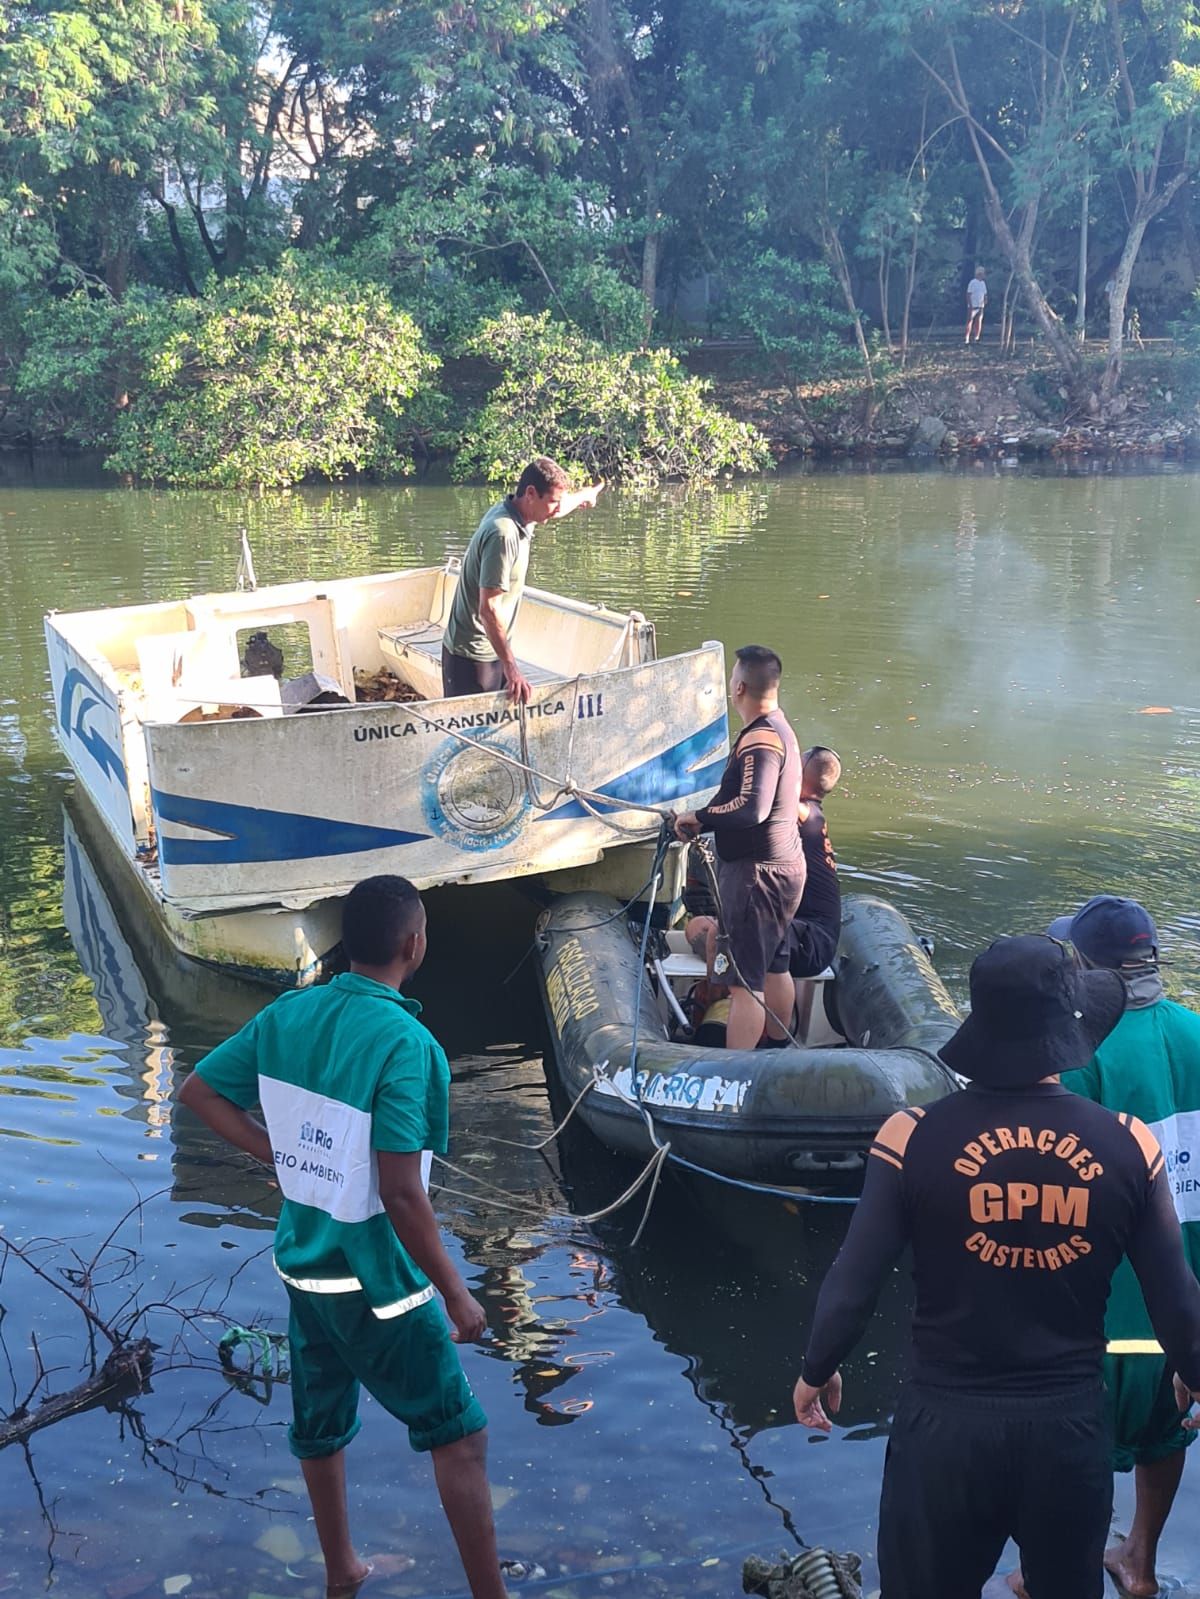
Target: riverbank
{"points": [[962, 400], [948, 401]]}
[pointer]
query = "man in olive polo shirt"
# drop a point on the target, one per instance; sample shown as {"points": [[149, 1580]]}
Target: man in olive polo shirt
{"points": [[477, 654], [354, 1095]]}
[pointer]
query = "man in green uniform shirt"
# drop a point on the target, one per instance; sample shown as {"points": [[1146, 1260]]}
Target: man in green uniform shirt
{"points": [[354, 1094], [477, 652], [1149, 1065]]}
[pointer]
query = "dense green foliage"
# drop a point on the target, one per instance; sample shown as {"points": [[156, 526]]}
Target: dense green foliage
{"points": [[790, 308], [271, 378], [635, 416], [267, 378], [822, 176]]}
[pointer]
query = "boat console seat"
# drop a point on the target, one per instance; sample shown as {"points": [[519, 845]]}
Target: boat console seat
{"points": [[424, 640]]}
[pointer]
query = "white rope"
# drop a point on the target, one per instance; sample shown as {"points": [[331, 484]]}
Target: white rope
{"points": [[513, 1143], [651, 1170]]}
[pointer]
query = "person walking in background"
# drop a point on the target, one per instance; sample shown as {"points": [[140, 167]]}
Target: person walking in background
{"points": [[760, 862], [354, 1093], [1148, 1066], [477, 652], [1018, 1199], [976, 300]]}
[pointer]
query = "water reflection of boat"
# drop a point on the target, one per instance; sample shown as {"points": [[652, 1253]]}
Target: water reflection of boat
{"points": [[159, 1004], [144, 988], [804, 1114], [243, 817]]}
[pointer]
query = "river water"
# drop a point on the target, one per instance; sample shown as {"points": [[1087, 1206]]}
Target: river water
{"points": [[1005, 662]]}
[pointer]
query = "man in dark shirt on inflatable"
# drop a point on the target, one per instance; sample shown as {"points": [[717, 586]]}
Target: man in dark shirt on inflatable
{"points": [[760, 874], [817, 925], [1019, 1200]]}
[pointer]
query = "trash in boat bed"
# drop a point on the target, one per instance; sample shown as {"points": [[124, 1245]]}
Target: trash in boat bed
{"points": [[382, 685]]}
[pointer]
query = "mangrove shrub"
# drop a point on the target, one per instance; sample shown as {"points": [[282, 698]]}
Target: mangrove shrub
{"points": [[632, 416], [273, 378]]}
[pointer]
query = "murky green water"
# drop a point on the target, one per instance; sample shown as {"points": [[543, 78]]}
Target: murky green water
{"points": [[1007, 666]]}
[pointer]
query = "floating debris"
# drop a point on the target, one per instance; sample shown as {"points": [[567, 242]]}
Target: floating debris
{"points": [[1157, 710], [266, 1352], [812, 1574], [282, 1543], [522, 1571]]}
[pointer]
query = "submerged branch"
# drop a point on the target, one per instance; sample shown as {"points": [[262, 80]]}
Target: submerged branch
{"points": [[124, 1373]]}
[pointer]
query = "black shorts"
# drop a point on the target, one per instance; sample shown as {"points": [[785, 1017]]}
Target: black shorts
{"points": [[811, 948], [461, 676], [758, 902], [964, 1473]]}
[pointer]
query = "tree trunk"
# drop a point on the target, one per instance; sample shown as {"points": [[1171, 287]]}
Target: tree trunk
{"points": [[1008, 337], [1016, 250], [836, 256], [1151, 202], [1015, 246], [650, 253], [118, 210], [1111, 380], [1081, 288], [885, 289], [185, 270], [910, 284], [234, 251], [1191, 235]]}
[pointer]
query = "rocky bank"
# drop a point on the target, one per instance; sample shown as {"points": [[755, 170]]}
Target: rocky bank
{"points": [[969, 401]]}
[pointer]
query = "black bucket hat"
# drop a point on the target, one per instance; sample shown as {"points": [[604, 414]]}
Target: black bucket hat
{"points": [[1033, 1014]]}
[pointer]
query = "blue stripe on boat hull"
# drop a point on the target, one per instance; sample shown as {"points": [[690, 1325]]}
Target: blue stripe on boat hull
{"points": [[664, 777], [250, 834]]}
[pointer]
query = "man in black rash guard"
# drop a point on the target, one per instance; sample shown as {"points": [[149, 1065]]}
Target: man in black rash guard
{"points": [[760, 873], [1018, 1200]]}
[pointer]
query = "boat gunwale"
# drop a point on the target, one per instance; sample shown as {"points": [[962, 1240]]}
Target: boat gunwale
{"points": [[314, 588]]}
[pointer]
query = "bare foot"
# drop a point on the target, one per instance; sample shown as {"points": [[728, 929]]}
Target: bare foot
{"points": [[1016, 1581], [348, 1584], [377, 1566], [1131, 1579]]}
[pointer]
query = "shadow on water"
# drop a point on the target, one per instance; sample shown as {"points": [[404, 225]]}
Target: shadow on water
{"points": [[656, 1492]]}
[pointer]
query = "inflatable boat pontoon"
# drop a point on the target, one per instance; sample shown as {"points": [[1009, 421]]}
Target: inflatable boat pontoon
{"points": [[798, 1116]]}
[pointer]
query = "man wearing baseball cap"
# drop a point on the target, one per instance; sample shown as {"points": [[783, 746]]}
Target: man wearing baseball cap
{"points": [[1149, 1066], [1018, 1200]]}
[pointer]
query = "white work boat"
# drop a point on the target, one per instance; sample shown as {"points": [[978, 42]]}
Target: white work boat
{"points": [[246, 806]]}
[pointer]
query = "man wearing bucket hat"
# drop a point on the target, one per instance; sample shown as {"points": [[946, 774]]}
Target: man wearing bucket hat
{"points": [[1018, 1200], [1149, 1065]]}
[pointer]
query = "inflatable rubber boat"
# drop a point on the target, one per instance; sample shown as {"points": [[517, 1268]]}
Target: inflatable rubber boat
{"points": [[866, 1045]]}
